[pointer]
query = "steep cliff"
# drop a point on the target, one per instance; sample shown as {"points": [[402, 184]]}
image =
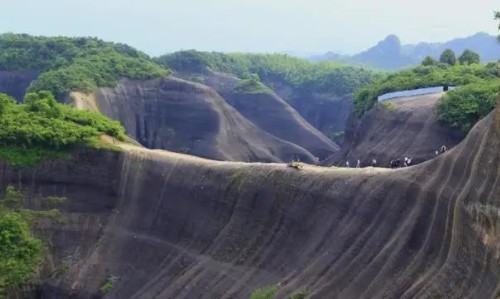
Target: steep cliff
{"points": [[406, 127], [192, 118], [166, 225], [15, 83], [271, 113]]}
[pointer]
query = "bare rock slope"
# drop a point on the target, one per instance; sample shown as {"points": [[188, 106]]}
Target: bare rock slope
{"points": [[271, 113], [192, 118], [409, 127], [166, 225]]}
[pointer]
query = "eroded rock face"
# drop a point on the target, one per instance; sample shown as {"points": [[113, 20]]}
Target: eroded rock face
{"points": [[15, 83], [187, 117], [176, 226], [272, 114], [408, 128]]}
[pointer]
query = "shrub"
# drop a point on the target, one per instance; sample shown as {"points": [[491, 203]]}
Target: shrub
{"points": [[20, 253], [463, 107], [252, 85], [107, 287], [389, 106], [44, 128], [265, 293], [299, 295]]}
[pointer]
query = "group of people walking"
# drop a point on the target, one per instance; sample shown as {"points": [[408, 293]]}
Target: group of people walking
{"points": [[397, 163], [401, 163]]}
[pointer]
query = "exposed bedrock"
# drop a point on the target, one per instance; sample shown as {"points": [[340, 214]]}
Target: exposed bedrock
{"points": [[15, 83], [187, 117], [272, 114], [166, 225], [407, 127]]}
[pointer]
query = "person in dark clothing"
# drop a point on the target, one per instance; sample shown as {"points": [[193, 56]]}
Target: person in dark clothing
{"points": [[395, 163]]}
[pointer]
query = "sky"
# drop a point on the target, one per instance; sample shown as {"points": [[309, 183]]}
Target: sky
{"points": [[298, 26]]}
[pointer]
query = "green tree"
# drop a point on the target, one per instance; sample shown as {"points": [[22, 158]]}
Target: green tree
{"points": [[428, 61], [42, 102], [448, 57], [469, 57], [19, 252], [497, 17], [5, 101]]}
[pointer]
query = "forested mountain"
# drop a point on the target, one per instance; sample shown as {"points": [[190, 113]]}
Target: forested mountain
{"points": [[62, 64]]}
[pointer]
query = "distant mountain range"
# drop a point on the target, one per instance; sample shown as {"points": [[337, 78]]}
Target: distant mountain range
{"points": [[391, 54]]}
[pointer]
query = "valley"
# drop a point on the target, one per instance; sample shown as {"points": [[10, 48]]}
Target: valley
{"points": [[223, 175]]}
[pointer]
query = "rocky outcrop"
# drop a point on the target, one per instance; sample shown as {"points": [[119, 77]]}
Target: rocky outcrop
{"points": [[406, 127], [192, 118], [164, 225], [271, 113], [15, 83], [325, 113]]}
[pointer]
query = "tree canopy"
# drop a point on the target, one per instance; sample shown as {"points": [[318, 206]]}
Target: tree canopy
{"points": [[469, 57], [428, 61], [67, 64], [448, 57], [497, 17], [327, 77], [42, 125]]}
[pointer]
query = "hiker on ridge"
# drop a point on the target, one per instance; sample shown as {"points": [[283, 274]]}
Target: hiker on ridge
{"points": [[347, 164], [358, 165]]}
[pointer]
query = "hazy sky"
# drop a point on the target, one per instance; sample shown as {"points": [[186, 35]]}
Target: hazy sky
{"points": [[159, 26]]}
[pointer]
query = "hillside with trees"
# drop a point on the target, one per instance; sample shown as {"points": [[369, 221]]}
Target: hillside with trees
{"points": [[65, 64], [477, 86], [298, 73]]}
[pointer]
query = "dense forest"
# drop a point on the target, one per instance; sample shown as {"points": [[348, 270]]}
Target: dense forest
{"points": [[324, 77], [67, 64]]}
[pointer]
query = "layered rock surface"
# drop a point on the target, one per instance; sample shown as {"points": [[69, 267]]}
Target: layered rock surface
{"points": [[192, 118], [407, 127], [166, 225]]}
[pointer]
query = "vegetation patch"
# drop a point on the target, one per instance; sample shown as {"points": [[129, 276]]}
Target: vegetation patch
{"points": [[265, 293], [389, 106], [424, 76], [463, 107], [68, 64], [20, 251], [253, 86], [43, 129], [299, 295], [305, 76], [106, 287]]}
